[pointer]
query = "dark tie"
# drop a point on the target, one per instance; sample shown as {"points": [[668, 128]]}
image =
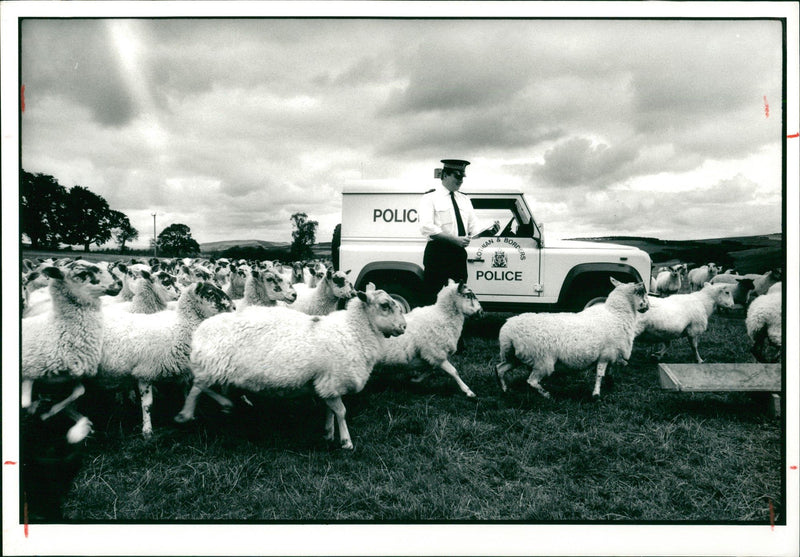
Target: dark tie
{"points": [[461, 231]]}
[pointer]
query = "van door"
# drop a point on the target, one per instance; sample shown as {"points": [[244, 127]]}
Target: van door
{"points": [[504, 267]]}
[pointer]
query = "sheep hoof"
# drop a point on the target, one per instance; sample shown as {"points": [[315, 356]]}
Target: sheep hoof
{"points": [[182, 419], [347, 445], [421, 377], [471, 395]]}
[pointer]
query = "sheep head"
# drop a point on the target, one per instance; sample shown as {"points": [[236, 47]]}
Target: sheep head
{"points": [[384, 313]]}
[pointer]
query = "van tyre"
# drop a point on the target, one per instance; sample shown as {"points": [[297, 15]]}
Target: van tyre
{"points": [[407, 297]]}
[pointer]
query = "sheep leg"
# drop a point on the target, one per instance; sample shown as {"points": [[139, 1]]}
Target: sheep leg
{"points": [[146, 394], [328, 424], [337, 407], [663, 347], [500, 371], [533, 381], [601, 371], [77, 392], [693, 342], [27, 393], [223, 401], [187, 412], [451, 370]]}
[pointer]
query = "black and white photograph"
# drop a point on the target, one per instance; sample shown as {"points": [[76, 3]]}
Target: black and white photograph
{"points": [[400, 278]]}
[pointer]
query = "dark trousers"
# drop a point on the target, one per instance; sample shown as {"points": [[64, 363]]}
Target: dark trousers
{"points": [[442, 261]]}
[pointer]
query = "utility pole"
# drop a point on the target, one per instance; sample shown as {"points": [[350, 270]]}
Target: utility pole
{"points": [[155, 243]]}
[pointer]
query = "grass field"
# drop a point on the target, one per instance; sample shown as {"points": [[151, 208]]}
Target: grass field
{"points": [[424, 452]]}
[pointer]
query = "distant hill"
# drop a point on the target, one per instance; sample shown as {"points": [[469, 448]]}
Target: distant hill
{"points": [[748, 254]]}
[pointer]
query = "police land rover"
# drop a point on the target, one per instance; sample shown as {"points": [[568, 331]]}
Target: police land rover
{"points": [[514, 269]]}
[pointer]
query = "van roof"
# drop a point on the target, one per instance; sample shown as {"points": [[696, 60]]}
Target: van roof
{"points": [[395, 186]]}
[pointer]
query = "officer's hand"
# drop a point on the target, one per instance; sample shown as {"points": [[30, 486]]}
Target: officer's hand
{"points": [[496, 227], [462, 241]]}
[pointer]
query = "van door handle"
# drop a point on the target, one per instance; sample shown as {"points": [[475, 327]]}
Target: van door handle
{"points": [[476, 260]]}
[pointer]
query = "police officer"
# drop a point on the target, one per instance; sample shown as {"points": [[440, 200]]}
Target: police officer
{"points": [[448, 220]]}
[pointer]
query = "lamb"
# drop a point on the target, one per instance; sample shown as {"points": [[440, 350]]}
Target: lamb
{"points": [[152, 347], [433, 331], [66, 342], [764, 324], [264, 288], [323, 299], [285, 351], [683, 315], [701, 275], [669, 281], [599, 335]]}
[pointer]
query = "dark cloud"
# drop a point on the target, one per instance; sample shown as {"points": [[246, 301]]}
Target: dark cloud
{"points": [[576, 162]]}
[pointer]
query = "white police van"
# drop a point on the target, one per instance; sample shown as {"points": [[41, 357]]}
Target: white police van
{"points": [[514, 269]]}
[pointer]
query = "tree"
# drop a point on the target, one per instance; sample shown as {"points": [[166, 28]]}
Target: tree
{"points": [[176, 241], [42, 206], [304, 236], [123, 230], [87, 218]]}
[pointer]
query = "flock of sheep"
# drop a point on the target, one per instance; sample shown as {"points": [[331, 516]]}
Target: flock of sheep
{"points": [[260, 326]]}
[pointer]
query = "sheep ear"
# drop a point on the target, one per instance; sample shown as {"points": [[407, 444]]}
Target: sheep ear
{"points": [[362, 296], [146, 275], [614, 281], [53, 272], [347, 272], [370, 287], [329, 274], [450, 282]]}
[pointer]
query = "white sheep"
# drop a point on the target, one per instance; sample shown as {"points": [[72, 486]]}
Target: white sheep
{"points": [[285, 351], [742, 286], [316, 272], [599, 335], [433, 331], [762, 283], [764, 324], [265, 288], [668, 281], [236, 279], [152, 347], [324, 299], [683, 315], [701, 275], [151, 293], [66, 342]]}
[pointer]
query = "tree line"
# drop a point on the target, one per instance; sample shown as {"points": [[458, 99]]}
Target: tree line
{"points": [[51, 215]]}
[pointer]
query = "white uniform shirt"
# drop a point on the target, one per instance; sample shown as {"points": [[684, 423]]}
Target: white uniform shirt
{"points": [[436, 213]]}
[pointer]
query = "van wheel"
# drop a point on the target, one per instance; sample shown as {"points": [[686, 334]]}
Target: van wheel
{"points": [[407, 297], [586, 298]]}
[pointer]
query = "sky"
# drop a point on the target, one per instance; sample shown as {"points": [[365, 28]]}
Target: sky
{"points": [[659, 128]]}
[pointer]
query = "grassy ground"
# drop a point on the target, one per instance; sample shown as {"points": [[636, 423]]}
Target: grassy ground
{"points": [[424, 452]]}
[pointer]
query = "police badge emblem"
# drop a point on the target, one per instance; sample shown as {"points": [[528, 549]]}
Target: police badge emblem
{"points": [[499, 259]]}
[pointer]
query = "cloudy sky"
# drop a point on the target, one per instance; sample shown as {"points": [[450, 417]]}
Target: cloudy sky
{"points": [[665, 128]]}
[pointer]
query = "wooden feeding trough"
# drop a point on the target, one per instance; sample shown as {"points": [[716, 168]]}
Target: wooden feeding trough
{"points": [[723, 377]]}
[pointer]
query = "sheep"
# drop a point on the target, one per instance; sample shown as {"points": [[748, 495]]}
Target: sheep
{"points": [[741, 286], [599, 335], [67, 340], [764, 324], [762, 283], [701, 275], [433, 331], [236, 280], [151, 294], [152, 347], [285, 351], [264, 288], [669, 281], [316, 272], [323, 299], [683, 315]]}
